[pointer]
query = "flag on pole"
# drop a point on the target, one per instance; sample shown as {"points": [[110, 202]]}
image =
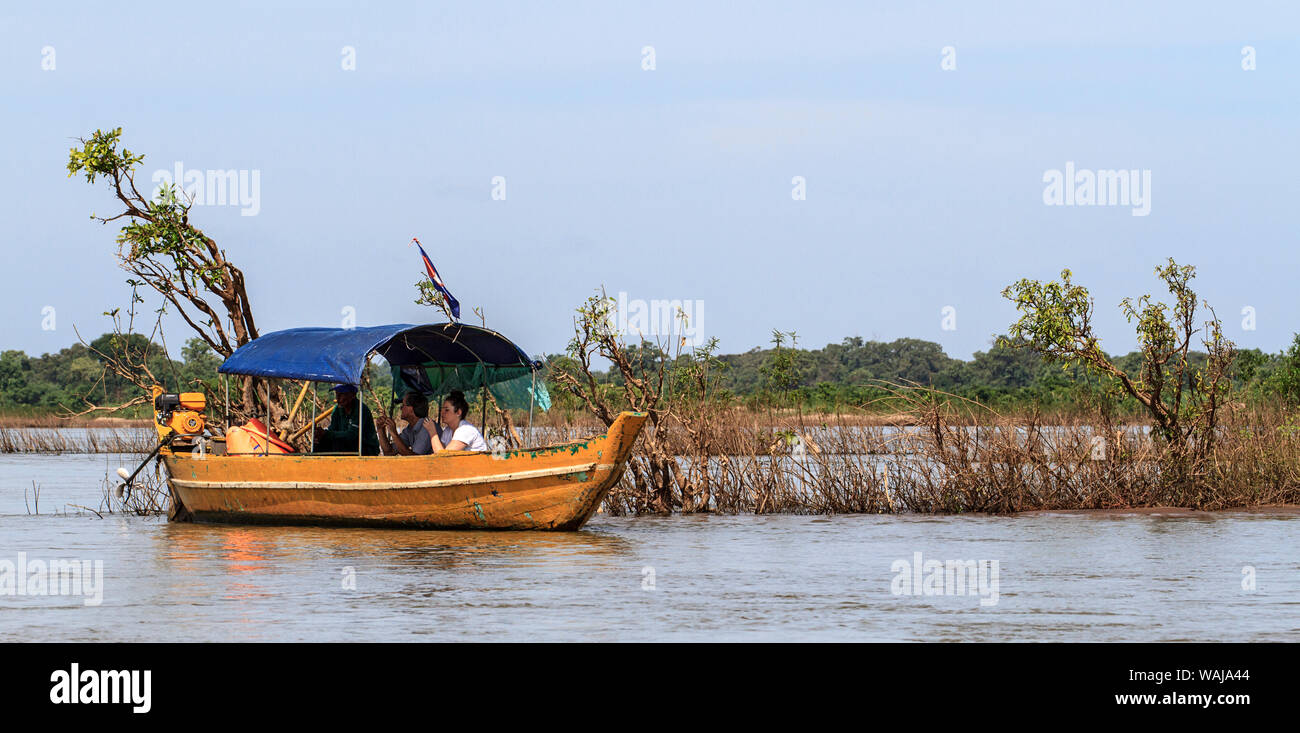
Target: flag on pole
{"points": [[437, 281]]}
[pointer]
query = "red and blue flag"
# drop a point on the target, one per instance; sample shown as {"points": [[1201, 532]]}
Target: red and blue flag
{"points": [[437, 280]]}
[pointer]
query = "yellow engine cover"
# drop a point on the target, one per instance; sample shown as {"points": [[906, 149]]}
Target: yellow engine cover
{"points": [[193, 401]]}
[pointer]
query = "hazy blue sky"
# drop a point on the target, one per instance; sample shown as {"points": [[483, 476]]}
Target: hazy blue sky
{"points": [[924, 187]]}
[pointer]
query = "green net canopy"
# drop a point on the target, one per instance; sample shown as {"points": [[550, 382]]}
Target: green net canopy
{"points": [[514, 387], [433, 359]]}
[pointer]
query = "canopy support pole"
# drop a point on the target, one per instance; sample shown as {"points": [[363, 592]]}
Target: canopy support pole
{"points": [[226, 379], [532, 397], [361, 402], [266, 442], [313, 416]]}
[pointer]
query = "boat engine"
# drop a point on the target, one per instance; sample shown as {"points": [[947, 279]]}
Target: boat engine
{"points": [[178, 414]]}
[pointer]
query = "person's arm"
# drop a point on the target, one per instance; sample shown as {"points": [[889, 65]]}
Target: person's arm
{"points": [[458, 443], [382, 427], [435, 438], [399, 446]]}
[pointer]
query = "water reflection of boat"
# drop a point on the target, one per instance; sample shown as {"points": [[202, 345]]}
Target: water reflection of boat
{"points": [[193, 549], [555, 487]]}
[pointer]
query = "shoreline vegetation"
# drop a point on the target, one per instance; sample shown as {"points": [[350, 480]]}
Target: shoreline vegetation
{"points": [[912, 449], [928, 464], [1043, 420], [1083, 430], [769, 440], [774, 447]]}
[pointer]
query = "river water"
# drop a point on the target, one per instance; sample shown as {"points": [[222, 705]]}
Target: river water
{"points": [[1060, 577]]}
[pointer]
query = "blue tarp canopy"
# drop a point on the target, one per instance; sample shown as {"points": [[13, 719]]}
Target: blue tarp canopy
{"points": [[338, 355]]}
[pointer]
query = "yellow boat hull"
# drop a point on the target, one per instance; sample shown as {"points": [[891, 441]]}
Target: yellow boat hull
{"points": [[552, 488]]}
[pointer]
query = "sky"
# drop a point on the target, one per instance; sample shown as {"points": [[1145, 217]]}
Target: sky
{"points": [[834, 169]]}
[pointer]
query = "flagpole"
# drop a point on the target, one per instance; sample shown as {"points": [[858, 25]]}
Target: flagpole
{"points": [[450, 304]]}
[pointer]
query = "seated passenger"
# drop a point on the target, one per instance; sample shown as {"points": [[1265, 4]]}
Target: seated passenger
{"points": [[457, 433], [414, 440], [350, 418]]}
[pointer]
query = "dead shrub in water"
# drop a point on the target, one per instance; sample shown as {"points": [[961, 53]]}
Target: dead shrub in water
{"points": [[642, 373], [1001, 465], [676, 388], [734, 461], [798, 467], [949, 455], [1255, 461]]}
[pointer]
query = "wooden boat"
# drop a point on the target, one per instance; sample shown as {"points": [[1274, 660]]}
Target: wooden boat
{"points": [[556, 487]]}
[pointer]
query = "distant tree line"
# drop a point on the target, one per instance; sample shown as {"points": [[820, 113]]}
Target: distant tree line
{"points": [[851, 374], [857, 373], [65, 380]]}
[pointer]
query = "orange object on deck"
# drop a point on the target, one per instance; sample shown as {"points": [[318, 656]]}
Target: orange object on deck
{"points": [[253, 438]]}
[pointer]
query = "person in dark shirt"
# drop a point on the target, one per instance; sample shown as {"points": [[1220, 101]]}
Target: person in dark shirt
{"points": [[341, 435]]}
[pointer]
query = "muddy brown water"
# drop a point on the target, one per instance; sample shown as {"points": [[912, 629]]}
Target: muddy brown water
{"points": [[1152, 575]]}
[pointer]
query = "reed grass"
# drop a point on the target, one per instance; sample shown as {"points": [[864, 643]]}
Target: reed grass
{"points": [[59, 440], [47, 420]]}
